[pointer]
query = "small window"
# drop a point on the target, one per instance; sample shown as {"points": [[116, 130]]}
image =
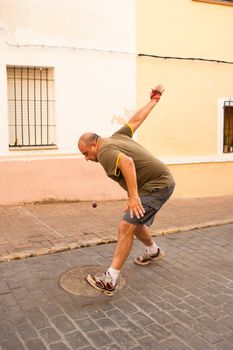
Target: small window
{"points": [[228, 127], [31, 107]]}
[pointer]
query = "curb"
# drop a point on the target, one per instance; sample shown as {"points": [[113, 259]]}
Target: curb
{"points": [[75, 245]]}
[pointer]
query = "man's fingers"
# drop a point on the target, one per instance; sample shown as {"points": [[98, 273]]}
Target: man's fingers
{"points": [[131, 213], [139, 212]]}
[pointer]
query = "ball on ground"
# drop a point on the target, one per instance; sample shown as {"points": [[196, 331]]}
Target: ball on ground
{"points": [[94, 205]]}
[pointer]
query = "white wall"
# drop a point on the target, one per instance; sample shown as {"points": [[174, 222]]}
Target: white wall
{"points": [[90, 44]]}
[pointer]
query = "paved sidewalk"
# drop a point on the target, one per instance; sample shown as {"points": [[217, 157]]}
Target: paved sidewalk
{"points": [[33, 230], [183, 302]]}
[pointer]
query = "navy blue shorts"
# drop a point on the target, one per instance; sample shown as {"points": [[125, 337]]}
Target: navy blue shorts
{"points": [[151, 203]]}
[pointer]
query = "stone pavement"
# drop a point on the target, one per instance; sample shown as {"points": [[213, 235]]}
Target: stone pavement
{"points": [[182, 302], [33, 230]]}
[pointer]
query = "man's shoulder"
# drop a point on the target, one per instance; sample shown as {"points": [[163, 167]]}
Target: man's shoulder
{"points": [[125, 130]]}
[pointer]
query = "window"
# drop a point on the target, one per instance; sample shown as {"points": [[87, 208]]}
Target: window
{"points": [[30, 107], [228, 126], [220, 2]]}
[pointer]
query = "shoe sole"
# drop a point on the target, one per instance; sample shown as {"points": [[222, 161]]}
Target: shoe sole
{"points": [[92, 283], [161, 256]]}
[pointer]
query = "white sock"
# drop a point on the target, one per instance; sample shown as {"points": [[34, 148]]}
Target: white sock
{"points": [[114, 274], [153, 249]]}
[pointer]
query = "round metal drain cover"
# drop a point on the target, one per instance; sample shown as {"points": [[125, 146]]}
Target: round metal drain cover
{"points": [[74, 281]]}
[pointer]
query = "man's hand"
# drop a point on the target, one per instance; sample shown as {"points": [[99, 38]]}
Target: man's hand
{"points": [[135, 207], [156, 93]]}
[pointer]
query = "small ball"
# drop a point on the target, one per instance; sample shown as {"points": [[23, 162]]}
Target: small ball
{"points": [[94, 205]]}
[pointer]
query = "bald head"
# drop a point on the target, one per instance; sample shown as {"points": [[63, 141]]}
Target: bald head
{"points": [[88, 145], [87, 138]]}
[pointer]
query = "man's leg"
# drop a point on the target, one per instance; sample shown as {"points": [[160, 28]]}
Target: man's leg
{"points": [[107, 281], [153, 252], [124, 244], [142, 233]]}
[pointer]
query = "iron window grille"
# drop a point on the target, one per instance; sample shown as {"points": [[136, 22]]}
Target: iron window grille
{"points": [[31, 103], [228, 127]]}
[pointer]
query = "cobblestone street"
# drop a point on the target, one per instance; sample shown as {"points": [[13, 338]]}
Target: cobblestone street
{"points": [[183, 302]]}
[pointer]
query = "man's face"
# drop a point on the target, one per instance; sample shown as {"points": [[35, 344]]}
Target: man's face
{"points": [[89, 150]]}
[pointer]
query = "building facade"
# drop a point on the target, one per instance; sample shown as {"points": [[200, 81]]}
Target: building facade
{"points": [[186, 45], [88, 67]]}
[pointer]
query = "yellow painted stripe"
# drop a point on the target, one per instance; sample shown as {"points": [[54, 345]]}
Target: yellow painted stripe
{"points": [[117, 161], [130, 127]]}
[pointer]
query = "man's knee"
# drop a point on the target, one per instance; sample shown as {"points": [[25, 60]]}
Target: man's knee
{"points": [[126, 228]]}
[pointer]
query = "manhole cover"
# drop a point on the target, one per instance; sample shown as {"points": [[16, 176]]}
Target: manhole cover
{"points": [[74, 281]]}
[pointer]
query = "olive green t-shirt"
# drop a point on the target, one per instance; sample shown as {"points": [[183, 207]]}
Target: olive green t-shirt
{"points": [[151, 172]]}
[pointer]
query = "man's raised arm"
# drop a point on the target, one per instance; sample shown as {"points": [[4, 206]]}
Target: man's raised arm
{"points": [[136, 120]]}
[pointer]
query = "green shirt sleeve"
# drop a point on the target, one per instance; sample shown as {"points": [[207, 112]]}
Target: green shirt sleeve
{"points": [[126, 129], [109, 158]]}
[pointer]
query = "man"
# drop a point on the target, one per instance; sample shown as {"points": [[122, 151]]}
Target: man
{"points": [[148, 182]]}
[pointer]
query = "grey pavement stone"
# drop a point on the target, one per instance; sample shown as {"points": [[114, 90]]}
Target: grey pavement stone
{"points": [[59, 346], [126, 306], [6, 330], [99, 338], [87, 325], [38, 320], [12, 344], [96, 314], [207, 333], [116, 316], [147, 307], [195, 302], [106, 323], [216, 326], [142, 319], [189, 310], [76, 340], [229, 336], [7, 300], [158, 332], [35, 344], [122, 338], [181, 316], [26, 331], [52, 309], [162, 317], [63, 324], [4, 288], [16, 315], [227, 321], [175, 344], [134, 330], [224, 345], [50, 335], [198, 342], [150, 343]]}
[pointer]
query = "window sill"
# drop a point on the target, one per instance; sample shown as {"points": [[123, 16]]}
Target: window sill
{"points": [[33, 148], [217, 2]]}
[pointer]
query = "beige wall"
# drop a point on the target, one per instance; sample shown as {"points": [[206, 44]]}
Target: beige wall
{"points": [[203, 179], [184, 28], [42, 179], [33, 180], [187, 123]]}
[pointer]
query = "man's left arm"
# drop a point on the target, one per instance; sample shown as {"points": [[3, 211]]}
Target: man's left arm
{"points": [[136, 120]]}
